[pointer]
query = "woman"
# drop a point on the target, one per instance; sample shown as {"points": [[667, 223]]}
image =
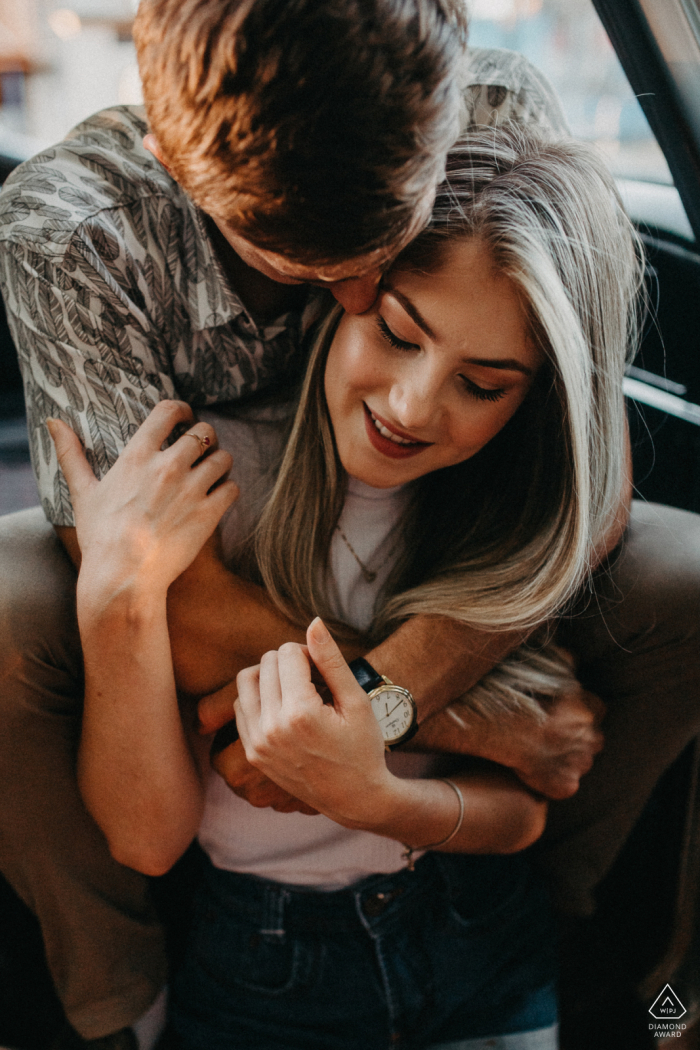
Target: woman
{"points": [[457, 450]]}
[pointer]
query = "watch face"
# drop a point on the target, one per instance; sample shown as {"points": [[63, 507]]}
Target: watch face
{"points": [[394, 710]]}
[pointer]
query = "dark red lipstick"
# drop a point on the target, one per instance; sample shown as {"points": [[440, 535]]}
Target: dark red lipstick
{"points": [[385, 445]]}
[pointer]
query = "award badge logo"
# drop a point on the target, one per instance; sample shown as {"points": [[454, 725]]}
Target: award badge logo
{"points": [[667, 1011]]}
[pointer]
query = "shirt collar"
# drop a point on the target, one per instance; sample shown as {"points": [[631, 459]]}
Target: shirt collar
{"points": [[213, 301], [211, 298]]}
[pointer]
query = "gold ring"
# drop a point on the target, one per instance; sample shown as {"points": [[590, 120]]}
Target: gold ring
{"points": [[203, 442]]}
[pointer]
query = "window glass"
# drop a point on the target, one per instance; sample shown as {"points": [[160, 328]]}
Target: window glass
{"points": [[565, 39], [60, 61]]}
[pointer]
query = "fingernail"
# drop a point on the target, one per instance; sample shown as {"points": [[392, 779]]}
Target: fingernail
{"points": [[320, 631], [49, 425]]}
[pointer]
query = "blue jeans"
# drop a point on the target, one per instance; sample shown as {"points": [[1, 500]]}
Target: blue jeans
{"points": [[462, 947]]}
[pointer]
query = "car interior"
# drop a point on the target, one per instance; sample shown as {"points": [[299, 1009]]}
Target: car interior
{"points": [[646, 930]]}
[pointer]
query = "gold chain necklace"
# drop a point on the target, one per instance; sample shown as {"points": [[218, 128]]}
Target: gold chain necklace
{"points": [[367, 574]]}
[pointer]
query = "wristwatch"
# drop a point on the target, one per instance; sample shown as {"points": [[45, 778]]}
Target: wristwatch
{"points": [[393, 706]]}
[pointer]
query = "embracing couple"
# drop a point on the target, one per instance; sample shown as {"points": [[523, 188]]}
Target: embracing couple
{"points": [[388, 529]]}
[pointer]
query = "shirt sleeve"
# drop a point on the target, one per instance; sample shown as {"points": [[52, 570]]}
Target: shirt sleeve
{"points": [[88, 355], [500, 86]]}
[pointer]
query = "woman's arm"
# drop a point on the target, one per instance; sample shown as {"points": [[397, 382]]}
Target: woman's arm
{"points": [[500, 815], [436, 658], [138, 771], [332, 757], [138, 529]]}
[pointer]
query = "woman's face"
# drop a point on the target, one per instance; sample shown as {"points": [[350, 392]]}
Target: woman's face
{"points": [[432, 372]]}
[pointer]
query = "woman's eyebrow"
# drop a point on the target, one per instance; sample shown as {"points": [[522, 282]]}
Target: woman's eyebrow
{"points": [[510, 364], [410, 309]]}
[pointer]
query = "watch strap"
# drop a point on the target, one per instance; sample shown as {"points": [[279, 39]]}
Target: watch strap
{"points": [[365, 675]]}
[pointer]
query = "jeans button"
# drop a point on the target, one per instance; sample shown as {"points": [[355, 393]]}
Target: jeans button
{"points": [[375, 904]]}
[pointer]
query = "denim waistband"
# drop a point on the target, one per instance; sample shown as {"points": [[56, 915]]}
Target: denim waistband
{"points": [[275, 906]]}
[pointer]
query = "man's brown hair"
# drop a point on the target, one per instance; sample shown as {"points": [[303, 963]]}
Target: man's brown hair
{"points": [[315, 128]]}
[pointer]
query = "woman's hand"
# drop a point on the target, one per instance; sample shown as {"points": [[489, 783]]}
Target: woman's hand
{"points": [[138, 529], [330, 757], [147, 519]]}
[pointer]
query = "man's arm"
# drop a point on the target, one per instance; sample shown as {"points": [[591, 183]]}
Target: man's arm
{"points": [[220, 624], [549, 756], [215, 619]]}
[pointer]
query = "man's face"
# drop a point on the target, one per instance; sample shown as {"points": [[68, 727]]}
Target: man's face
{"points": [[353, 283]]}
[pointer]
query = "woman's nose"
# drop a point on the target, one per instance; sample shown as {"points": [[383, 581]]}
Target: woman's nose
{"points": [[414, 401]]}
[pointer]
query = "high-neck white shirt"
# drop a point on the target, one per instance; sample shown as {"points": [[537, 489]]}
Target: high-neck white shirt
{"points": [[293, 847]]}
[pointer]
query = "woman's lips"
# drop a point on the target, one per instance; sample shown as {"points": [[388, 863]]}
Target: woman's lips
{"points": [[385, 445]]}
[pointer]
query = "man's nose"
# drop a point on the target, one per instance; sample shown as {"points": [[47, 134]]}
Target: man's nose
{"points": [[357, 294]]}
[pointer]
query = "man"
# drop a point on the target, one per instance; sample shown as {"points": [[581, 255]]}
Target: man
{"points": [[304, 142]]}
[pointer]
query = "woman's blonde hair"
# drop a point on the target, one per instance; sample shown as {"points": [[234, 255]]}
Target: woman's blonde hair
{"points": [[505, 538]]}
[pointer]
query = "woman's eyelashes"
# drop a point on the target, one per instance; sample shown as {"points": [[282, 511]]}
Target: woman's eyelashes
{"points": [[480, 392], [471, 388], [393, 340]]}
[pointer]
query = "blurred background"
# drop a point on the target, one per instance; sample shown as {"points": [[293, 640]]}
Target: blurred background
{"points": [[59, 63]]}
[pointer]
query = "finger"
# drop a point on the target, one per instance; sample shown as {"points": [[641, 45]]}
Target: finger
{"points": [[234, 767], [71, 457], [247, 705], [244, 779], [197, 441], [207, 471], [159, 425], [220, 499], [215, 710], [331, 663], [270, 688], [293, 805], [302, 686]]}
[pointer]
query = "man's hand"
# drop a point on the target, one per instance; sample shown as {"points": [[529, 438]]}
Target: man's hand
{"points": [[244, 779], [249, 783], [553, 756], [550, 757]]}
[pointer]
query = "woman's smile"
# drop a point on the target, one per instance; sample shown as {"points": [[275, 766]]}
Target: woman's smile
{"points": [[388, 440], [432, 372]]}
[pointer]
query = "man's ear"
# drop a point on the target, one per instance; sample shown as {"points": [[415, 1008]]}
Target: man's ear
{"points": [[153, 146]]}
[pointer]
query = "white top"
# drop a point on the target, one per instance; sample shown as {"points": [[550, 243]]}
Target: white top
{"points": [[293, 847], [368, 521]]}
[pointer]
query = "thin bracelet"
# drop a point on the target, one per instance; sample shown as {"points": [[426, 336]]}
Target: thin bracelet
{"points": [[408, 851]]}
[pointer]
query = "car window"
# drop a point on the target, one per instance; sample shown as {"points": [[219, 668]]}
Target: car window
{"points": [[61, 63], [675, 26], [565, 39]]}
